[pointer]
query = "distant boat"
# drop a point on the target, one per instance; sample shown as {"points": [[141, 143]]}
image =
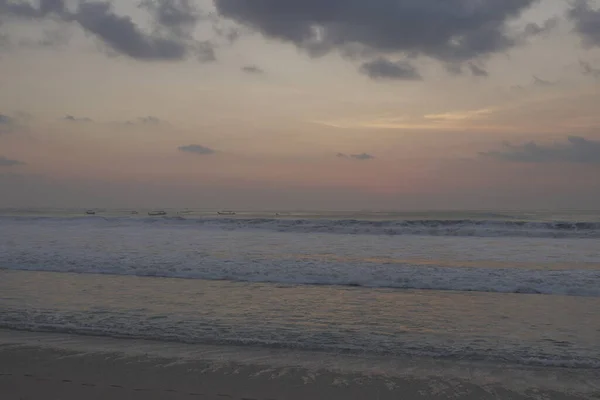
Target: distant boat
{"points": [[134, 212], [90, 212], [226, 213], [157, 213]]}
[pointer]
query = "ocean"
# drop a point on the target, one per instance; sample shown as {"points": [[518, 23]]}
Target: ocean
{"points": [[503, 288]]}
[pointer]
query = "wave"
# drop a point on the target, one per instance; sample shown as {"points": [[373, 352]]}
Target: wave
{"points": [[583, 283], [427, 227], [211, 333]]}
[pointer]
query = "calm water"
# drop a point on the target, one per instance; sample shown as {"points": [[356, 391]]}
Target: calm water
{"points": [[502, 287]]}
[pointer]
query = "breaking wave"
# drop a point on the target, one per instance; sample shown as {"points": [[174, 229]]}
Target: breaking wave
{"points": [[427, 227], [585, 283]]}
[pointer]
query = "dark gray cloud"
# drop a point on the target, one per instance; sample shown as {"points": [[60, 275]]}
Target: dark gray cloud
{"points": [[450, 30], [360, 157], [6, 120], [196, 149], [50, 38], [230, 34], [588, 69], [150, 120], [145, 121], [587, 22], [477, 70], [537, 81], [576, 150], [175, 41], [49, 6], [382, 68], [533, 29], [71, 118], [474, 68], [253, 69], [4, 40], [7, 162], [121, 34], [27, 10], [454, 68], [6, 123], [178, 17], [204, 51]]}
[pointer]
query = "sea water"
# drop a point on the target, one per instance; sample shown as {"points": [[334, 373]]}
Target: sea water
{"points": [[499, 287]]}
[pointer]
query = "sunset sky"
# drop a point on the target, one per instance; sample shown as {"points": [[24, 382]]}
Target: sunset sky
{"points": [[314, 104]]}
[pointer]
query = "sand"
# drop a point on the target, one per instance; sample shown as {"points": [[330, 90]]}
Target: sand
{"points": [[63, 367]]}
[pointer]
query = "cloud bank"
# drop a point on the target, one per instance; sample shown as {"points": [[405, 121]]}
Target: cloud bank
{"points": [[7, 162], [360, 157], [253, 69], [451, 31], [6, 123], [383, 68], [588, 69], [173, 39], [577, 150], [72, 118], [587, 22], [196, 149]]}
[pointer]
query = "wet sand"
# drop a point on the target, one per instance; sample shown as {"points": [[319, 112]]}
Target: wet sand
{"points": [[56, 366]]}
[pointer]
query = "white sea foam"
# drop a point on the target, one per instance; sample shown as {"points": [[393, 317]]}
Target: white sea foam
{"points": [[570, 283], [203, 249], [434, 227]]}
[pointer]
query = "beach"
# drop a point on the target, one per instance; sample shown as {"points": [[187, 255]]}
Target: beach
{"points": [[321, 306], [44, 366]]}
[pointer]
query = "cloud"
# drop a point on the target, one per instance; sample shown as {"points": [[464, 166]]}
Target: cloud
{"points": [[460, 115], [196, 149], [7, 162], [4, 40], [50, 38], [230, 34], [71, 118], [474, 68], [587, 22], [382, 68], [587, 69], [477, 71], [533, 29], [150, 120], [205, 51], [577, 150], [27, 10], [123, 35], [360, 157], [449, 31], [537, 81], [6, 123], [178, 17], [6, 120], [146, 121], [253, 69], [48, 6], [173, 42]]}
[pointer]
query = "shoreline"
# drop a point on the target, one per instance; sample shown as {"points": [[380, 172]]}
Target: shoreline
{"points": [[37, 365]]}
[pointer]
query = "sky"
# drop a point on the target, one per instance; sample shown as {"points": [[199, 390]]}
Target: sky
{"points": [[300, 104]]}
